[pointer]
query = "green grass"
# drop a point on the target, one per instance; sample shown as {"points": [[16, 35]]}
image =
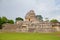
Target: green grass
{"points": [[29, 36]]}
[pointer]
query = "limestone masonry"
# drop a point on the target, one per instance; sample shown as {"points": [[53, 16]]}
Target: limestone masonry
{"points": [[31, 24]]}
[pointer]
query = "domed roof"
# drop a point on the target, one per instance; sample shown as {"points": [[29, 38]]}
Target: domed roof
{"points": [[30, 13]]}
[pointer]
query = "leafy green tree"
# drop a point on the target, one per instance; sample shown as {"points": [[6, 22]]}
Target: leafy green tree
{"points": [[4, 20], [54, 20], [39, 17], [19, 18], [0, 20], [0, 23], [10, 21]]}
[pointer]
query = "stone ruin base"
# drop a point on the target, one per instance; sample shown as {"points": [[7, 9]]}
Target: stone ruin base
{"points": [[41, 30]]}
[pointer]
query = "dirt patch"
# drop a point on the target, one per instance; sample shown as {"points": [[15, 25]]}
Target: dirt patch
{"points": [[58, 35]]}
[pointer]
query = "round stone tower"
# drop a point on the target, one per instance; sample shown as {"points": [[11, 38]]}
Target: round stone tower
{"points": [[30, 16]]}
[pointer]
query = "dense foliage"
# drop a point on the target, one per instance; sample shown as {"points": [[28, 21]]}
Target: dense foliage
{"points": [[11, 21], [0, 23], [19, 18], [39, 17], [54, 20], [4, 20]]}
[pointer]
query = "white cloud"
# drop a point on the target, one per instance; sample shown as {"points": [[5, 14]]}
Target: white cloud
{"points": [[15, 8]]}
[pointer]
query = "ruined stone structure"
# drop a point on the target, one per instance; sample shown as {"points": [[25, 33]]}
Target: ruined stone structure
{"points": [[31, 24]]}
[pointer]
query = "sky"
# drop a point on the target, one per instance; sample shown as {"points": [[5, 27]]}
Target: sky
{"points": [[18, 8]]}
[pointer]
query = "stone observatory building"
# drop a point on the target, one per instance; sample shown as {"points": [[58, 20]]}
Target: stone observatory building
{"points": [[31, 24]]}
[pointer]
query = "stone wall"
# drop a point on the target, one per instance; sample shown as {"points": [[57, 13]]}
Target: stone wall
{"points": [[31, 24], [28, 27]]}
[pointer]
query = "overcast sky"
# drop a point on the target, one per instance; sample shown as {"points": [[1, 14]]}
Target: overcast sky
{"points": [[18, 8]]}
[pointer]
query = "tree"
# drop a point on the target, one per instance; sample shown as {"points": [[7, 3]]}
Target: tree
{"points": [[10, 21], [0, 23], [0, 20], [54, 20], [4, 20], [19, 18], [39, 17]]}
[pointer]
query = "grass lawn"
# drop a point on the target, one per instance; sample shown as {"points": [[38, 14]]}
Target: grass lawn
{"points": [[29, 36]]}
